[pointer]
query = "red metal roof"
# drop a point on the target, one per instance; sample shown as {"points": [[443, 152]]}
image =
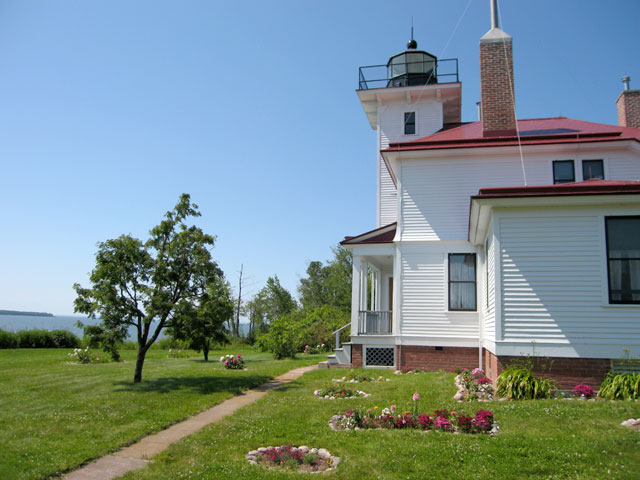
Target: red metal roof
{"points": [[384, 234], [533, 131], [587, 187]]}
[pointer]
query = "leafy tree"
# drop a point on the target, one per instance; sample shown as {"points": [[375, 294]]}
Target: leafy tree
{"points": [[270, 303], [291, 332], [202, 324], [145, 285], [328, 284]]}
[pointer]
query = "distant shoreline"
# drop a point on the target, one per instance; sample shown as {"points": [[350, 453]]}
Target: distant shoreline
{"points": [[26, 314]]}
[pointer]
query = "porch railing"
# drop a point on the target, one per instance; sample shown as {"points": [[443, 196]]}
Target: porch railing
{"points": [[337, 334], [374, 322]]}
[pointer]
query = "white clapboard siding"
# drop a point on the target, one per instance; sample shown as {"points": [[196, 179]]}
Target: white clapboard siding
{"points": [[490, 293], [391, 125], [436, 193], [424, 300], [552, 281], [623, 168], [388, 197]]}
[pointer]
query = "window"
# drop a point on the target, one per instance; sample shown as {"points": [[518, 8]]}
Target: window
{"points": [[592, 169], [623, 259], [462, 281], [409, 123], [563, 171]]}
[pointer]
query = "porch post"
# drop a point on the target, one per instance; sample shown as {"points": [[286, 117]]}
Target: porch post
{"points": [[355, 294]]}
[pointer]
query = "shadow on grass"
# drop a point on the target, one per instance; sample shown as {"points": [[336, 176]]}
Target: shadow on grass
{"points": [[200, 384]]}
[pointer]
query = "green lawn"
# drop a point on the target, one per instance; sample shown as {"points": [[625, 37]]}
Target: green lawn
{"points": [[538, 439], [55, 416]]}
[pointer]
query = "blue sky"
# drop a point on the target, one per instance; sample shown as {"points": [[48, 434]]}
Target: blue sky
{"points": [[109, 110]]}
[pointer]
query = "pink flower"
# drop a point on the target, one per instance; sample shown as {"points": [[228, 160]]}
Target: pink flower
{"points": [[233, 360], [239, 356], [392, 408], [416, 397], [477, 372], [226, 362]]}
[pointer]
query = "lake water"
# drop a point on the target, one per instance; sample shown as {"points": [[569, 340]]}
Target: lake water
{"points": [[13, 323]]}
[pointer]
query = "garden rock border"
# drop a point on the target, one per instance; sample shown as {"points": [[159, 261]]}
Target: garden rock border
{"points": [[329, 397], [254, 455], [344, 380], [633, 423]]}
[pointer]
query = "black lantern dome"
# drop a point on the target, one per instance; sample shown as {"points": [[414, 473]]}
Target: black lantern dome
{"points": [[412, 67]]}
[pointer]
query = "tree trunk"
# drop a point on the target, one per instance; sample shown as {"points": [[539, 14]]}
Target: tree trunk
{"points": [[205, 349], [137, 376]]}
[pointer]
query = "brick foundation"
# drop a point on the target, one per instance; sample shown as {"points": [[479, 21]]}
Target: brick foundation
{"points": [[432, 359], [356, 355], [567, 371]]}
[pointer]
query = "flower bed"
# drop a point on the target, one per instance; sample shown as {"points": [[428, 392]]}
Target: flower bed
{"points": [[339, 392], [473, 385], [389, 418], [301, 459], [232, 362], [393, 418], [353, 377]]}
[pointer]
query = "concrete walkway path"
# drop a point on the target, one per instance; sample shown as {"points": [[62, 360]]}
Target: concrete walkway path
{"points": [[138, 455]]}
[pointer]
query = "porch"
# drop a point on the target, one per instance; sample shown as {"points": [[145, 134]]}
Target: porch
{"points": [[372, 295]]}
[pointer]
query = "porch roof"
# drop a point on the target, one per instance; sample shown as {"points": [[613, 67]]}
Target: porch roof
{"points": [[587, 187], [384, 234]]}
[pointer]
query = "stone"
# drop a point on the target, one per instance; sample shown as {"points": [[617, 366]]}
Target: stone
{"points": [[304, 449], [252, 458], [294, 449], [324, 454], [253, 452], [357, 429], [262, 450], [335, 461], [252, 462], [458, 397], [313, 450]]}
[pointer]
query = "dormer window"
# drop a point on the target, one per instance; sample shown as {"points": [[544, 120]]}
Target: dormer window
{"points": [[592, 169], [409, 123], [563, 171]]}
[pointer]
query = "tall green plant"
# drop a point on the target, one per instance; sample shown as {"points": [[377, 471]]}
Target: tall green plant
{"points": [[517, 382], [620, 386]]}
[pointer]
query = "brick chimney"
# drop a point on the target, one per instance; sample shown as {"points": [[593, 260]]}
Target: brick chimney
{"points": [[628, 104], [496, 80]]}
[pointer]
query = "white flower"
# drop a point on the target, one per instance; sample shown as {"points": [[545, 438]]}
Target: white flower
{"points": [[222, 358]]}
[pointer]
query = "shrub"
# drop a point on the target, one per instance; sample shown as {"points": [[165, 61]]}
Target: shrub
{"points": [[232, 362], [64, 339], [110, 340], [8, 340], [35, 339], [517, 382], [171, 344], [583, 390], [80, 355], [620, 386]]}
